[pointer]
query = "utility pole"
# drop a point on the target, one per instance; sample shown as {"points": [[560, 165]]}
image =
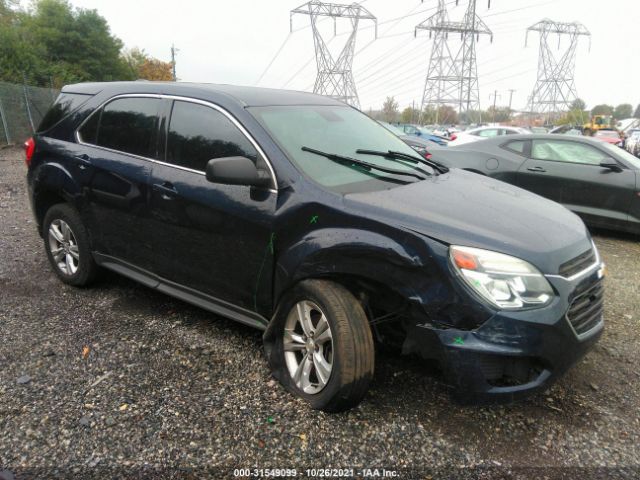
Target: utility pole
{"points": [[335, 76], [495, 98], [453, 79], [555, 88], [511, 90], [174, 50]]}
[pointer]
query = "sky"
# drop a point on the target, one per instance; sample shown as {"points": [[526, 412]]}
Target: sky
{"points": [[234, 42]]}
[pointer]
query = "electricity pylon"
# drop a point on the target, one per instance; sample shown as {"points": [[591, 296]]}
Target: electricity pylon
{"points": [[335, 75], [555, 88], [453, 80]]}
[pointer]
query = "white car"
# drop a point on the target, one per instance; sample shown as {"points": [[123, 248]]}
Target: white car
{"points": [[632, 144], [482, 133]]}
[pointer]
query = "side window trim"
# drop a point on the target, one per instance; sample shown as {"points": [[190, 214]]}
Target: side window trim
{"points": [[163, 115]]}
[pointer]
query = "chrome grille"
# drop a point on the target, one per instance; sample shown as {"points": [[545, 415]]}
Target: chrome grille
{"points": [[578, 264], [586, 309]]}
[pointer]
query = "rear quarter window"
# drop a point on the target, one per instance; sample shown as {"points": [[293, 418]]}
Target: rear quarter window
{"points": [[517, 146], [63, 106], [130, 125]]}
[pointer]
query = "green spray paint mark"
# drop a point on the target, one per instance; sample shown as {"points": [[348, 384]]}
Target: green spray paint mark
{"points": [[314, 219], [269, 250], [270, 246], [270, 420], [458, 341]]}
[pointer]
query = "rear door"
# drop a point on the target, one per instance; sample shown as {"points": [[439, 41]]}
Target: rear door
{"points": [[120, 142], [210, 237], [572, 171]]}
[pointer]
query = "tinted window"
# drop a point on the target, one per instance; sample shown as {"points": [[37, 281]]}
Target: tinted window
{"points": [[566, 151], [64, 105], [492, 132], [89, 130], [517, 146], [198, 133], [129, 125]]}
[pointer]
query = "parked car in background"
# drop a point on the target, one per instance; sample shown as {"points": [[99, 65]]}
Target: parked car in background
{"points": [[610, 136], [632, 143], [422, 146], [597, 180], [538, 130], [417, 131], [300, 216], [447, 132], [482, 133]]}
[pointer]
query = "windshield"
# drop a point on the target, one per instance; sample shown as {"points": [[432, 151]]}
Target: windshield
{"points": [[339, 130], [620, 152]]}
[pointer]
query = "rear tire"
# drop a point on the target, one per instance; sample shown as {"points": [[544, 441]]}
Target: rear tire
{"points": [[330, 361], [67, 245]]}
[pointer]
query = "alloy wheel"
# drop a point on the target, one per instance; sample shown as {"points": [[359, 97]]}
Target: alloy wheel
{"points": [[64, 247], [308, 347]]}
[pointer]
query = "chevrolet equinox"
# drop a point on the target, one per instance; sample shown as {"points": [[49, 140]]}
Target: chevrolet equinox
{"points": [[300, 216]]}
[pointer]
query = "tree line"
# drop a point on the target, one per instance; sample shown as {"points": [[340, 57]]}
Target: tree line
{"points": [[446, 114], [51, 43]]}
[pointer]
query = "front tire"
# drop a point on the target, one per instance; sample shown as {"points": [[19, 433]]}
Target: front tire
{"points": [[325, 346], [67, 245]]}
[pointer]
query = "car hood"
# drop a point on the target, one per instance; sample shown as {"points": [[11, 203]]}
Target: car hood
{"points": [[464, 208]]}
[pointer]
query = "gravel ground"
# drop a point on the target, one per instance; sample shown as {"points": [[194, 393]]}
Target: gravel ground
{"points": [[119, 378]]}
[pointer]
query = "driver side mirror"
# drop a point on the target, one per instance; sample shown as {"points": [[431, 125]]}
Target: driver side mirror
{"points": [[236, 171], [614, 167]]}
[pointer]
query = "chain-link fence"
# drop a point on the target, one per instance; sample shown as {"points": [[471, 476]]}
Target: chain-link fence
{"points": [[21, 110]]}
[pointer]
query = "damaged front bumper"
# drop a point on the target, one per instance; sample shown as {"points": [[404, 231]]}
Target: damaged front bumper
{"points": [[516, 353]]}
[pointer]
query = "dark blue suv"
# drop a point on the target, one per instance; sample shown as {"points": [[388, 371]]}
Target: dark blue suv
{"points": [[300, 216]]}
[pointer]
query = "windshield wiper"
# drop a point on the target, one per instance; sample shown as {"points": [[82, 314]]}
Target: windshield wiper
{"points": [[348, 161], [405, 156]]}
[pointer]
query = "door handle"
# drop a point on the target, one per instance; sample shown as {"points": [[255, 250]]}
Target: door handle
{"points": [[166, 189], [536, 169], [83, 161]]}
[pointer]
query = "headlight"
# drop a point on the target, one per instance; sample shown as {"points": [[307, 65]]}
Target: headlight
{"points": [[506, 282]]}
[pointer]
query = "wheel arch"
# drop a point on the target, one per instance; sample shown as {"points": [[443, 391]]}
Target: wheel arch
{"points": [[349, 257], [53, 184]]}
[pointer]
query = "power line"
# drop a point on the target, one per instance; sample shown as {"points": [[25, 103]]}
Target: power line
{"points": [[389, 29], [273, 59], [385, 66], [397, 71], [520, 8]]}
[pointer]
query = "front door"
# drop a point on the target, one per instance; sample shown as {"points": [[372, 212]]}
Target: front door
{"points": [[600, 195], [216, 239]]}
